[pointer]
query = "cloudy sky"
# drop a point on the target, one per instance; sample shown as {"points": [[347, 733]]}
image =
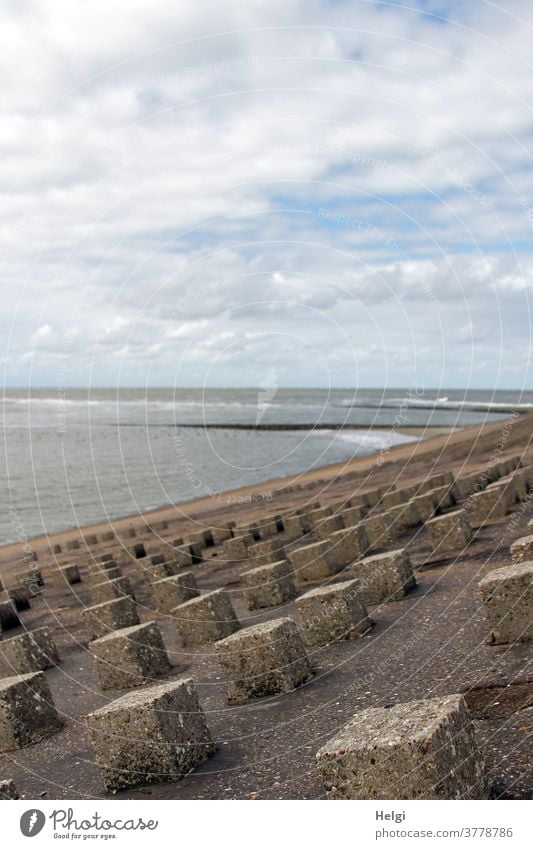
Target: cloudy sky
{"points": [[197, 192]]}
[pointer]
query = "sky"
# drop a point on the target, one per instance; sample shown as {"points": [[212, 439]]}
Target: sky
{"points": [[194, 194]]}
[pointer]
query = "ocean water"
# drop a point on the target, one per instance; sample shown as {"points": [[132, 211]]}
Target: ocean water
{"points": [[81, 456]]}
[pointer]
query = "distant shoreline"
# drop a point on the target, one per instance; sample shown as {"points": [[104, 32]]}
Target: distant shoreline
{"points": [[408, 430]]}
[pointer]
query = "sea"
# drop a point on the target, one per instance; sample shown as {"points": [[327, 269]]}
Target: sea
{"points": [[72, 457]]}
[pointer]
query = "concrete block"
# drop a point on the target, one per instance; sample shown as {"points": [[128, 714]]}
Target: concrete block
{"points": [[267, 551], [328, 526], [72, 544], [332, 613], [318, 514], [27, 711], [508, 491], [170, 592], [507, 596], [296, 525], [20, 596], [450, 532], [423, 749], [391, 499], [108, 590], [205, 619], [236, 548], [32, 651], [347, 545], [101, 619], [425, 505], [129, 657], [268, 585], [69, 574], [312, 562], [403, 517], [107, 536], [378, 532], [522, 549], [263, 660], [352, 516], [98, 575], [8, 789], [90, 539], [385, 577], [9, 617], [221, 534], [486, 506], [155, 735]]}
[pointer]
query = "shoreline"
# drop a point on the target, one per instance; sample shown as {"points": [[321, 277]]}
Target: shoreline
{"points": [[281, 492], [240, 495]]}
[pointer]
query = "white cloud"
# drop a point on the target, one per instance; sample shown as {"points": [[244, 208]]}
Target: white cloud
{"points": [[153, 150]]}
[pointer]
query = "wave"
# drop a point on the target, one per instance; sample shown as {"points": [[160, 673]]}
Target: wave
{"points": [[437, 404]]}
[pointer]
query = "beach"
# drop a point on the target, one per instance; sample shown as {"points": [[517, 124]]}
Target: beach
{"points": [[430, 643]]}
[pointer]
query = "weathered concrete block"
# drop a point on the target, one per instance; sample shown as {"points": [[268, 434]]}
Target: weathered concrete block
{"points": [[328, 526], [508, 492], [312, 562], [27, 710], [424, 505], [155, 735], [507, 596], [148, 571], [129, 657], [297, 525], [378, 532], [332, 613], [176, 552], [442, 498], [108, 590], [403, 517], [101, 619], [20, 596], [450, 532], [170, 592], [263, 660], [138, 550], [106, 557], [32, 651], [8, 789], [269, 526], [353, 515], [268, 585], [522, 549], [267, 551], [72, 544], [9, 617], [69, 574], [98, 576], [486, 506], [236, 548], [385, 577], [107, 536], [391, 499], [221, 534], [90, 539], [318, 514], [347, 545], [252, 529], [372, 497], [418, 750], [205, 619]]}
